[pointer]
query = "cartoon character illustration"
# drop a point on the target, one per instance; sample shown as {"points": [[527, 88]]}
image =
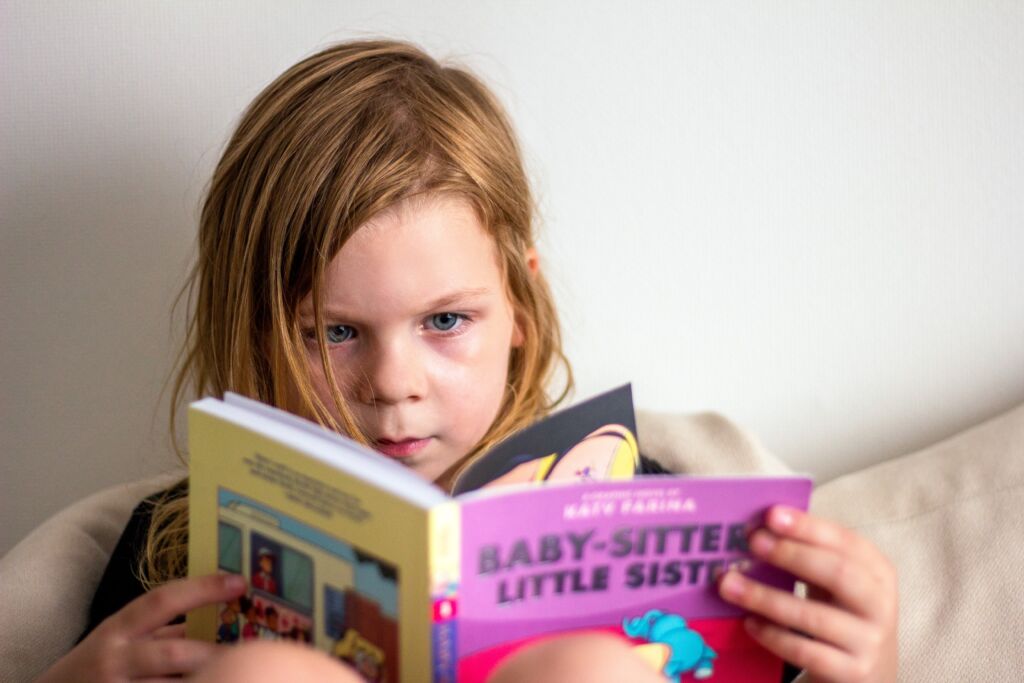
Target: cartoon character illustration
{"points": [[270, 629], [301, 635], [686, 650], [251, 630], [607, 453], [364, 656], [227, 632], [264, 579]]}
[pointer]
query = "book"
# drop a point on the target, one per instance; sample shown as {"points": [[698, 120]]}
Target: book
{"points": [[554, 531]]}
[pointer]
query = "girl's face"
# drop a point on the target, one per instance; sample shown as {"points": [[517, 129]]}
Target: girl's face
{"points": [[419, 327]]}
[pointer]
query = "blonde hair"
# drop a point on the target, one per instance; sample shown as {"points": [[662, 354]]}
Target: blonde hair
{"points": [[335, 140]]}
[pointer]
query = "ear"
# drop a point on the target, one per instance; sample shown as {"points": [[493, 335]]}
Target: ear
{"points": [[533, 261], [533, 265]]}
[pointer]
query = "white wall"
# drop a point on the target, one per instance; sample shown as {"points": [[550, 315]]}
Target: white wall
{"points": [[808, 216]]}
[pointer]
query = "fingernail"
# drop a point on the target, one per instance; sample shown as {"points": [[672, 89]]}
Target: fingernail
{"points": [[762, 543], [782, 517], [742, 565], [732, 584]]}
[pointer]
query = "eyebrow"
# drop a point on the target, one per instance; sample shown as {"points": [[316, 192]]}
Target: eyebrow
{"points": [[457, 297], [447, 300]]}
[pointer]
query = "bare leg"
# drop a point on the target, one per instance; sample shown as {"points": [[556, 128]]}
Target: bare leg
{"points": [[593, 658], [272, 662]]}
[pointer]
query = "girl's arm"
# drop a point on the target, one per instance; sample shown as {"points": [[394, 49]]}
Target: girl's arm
{"points": [[846, 631], [136, 643]]}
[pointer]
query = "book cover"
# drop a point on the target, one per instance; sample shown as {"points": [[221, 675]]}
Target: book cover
{"points": [[636, 559], [351, 552]]}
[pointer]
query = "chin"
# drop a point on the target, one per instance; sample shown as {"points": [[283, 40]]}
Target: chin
{"points": [[425, 468]]}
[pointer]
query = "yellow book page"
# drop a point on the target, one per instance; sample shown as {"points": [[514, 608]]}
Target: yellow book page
{"points": [[330, 559]]}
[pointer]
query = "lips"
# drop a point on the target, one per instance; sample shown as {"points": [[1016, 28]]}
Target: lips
{"points": [[402, 448]]}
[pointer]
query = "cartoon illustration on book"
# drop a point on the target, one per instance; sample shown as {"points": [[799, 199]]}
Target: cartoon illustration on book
{"points": [[364, 656], [263, 577], [228, 631], [672, 647], [307, 586], [609, 452], [592, 441]]}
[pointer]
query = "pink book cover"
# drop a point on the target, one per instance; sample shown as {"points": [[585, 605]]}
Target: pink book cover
{"points": [[636, 558]]}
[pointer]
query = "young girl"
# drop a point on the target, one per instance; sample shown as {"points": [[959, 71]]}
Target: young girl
{"points": [[366, 259]]}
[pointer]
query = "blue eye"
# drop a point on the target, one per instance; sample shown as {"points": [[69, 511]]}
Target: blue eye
{"points": [[338, 334], [445, 322]]}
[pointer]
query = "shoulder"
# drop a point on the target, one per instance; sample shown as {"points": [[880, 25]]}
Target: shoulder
{"points": [[120, 583]]}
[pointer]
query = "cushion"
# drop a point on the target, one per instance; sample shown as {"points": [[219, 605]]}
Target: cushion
{"points": [[703, 443], [951, 518], [48, 579]]}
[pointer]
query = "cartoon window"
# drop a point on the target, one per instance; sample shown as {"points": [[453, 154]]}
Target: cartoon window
{"points": [[297, 578], [334, 612], [229, 548]]}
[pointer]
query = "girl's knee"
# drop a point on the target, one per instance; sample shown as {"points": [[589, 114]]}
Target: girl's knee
{"points": [[592, 657], [275, 661]]}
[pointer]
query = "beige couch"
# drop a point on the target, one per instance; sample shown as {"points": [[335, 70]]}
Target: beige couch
{"points": [[951, 517]]}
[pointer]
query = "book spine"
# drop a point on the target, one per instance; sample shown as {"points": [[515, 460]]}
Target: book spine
{"points": [[444, 563]]}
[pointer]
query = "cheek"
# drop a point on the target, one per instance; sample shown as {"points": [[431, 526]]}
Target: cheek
{"points": [[472, 376], [478, 360], [320, 384]]}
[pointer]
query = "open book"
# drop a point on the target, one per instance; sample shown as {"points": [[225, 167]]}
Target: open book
{"points": [[555, 530]]}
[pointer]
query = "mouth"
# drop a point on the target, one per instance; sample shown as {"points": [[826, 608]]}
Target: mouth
{"points": [[400, 448]]}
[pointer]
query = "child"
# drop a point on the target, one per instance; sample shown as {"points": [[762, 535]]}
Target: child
{"points": [[366, 259]]}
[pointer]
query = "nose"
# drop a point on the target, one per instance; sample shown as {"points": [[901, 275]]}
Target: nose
{"points": [[393, 373]]}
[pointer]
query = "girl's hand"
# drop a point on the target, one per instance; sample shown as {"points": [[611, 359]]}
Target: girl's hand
{"points": [[846, 630], [136, 642]]}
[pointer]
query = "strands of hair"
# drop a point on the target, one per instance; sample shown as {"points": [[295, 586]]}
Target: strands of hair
{"points": [[335, 140]]}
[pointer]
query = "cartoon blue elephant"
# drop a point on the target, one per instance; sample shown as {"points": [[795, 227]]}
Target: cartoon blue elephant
{"points": [[688, 649]]}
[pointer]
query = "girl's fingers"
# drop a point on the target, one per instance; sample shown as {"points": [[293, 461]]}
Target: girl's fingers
{"points": [[170, 631], [821, 621], [167, 657], [159, 606], [852, 621], [824, 660], [849, 580], [804, 527]]}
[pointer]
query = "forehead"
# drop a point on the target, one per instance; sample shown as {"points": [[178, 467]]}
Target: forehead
{"points": [[410, 255]]}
